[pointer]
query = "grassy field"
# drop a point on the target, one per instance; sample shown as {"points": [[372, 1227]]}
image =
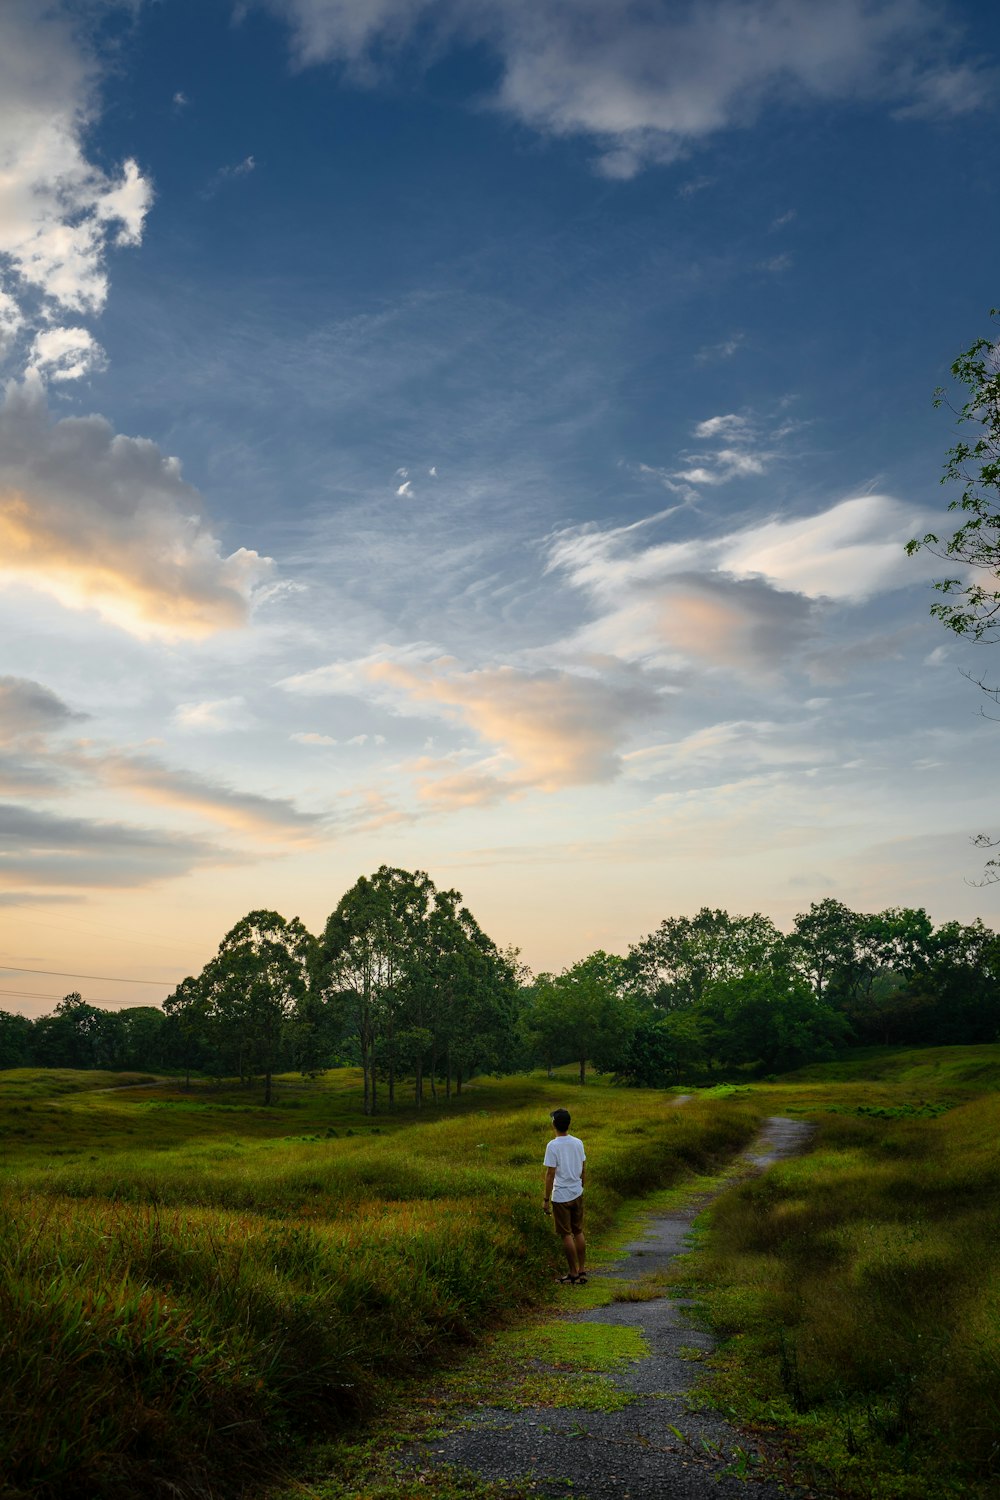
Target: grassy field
{"points": [[857, 1288], [192, 1286]]}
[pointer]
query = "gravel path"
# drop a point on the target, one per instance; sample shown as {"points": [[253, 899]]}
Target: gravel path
{"points": [[629, 1454]]}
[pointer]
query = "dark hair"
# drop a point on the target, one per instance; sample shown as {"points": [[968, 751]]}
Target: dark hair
{"points": [[560, 1119]]}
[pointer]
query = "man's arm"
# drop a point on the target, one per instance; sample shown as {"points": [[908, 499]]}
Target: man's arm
{"points": [[550, 1177], [583, 1175]]}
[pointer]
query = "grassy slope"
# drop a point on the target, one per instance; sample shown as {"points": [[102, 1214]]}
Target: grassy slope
{"points": [[190, 1284], [858, 1288]]}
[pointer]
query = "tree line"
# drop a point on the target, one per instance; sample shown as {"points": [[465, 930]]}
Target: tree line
{"points": [[405, 984]]}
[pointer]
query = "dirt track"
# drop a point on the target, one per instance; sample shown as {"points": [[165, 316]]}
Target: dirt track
{"points": [[630, 1454]]}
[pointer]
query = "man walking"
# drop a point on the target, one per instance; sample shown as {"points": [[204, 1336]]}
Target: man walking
{"points": [[565, 1170]]}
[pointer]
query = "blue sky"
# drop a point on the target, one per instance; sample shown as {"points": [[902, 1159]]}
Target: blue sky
{"points": [[481, 439]]}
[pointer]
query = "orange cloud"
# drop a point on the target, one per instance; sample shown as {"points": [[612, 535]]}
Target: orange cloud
{"points": [[272, 818], [106, 522], [557, 728]]}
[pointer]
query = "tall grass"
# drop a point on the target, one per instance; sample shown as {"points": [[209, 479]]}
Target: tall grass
{"points": [[859, 1291], [176, 1314]]}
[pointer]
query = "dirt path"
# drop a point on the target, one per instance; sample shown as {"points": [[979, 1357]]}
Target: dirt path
{"points": [[630, 1454]]}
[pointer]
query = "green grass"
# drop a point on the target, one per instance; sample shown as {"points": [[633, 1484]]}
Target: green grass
{"points": [[974, 1068], [191, 1286], [857, 1289]]}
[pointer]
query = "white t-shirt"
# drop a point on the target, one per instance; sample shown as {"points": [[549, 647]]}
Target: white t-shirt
{"points": [[567, 1155]]}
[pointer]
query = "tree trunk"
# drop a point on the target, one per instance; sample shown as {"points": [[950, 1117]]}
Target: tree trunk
{"points": [[418, 1087], [458, 1080], [583, 1070], [267, 1085], [447, 1075]]}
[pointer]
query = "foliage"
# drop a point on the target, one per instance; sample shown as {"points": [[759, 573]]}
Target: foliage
{"points": [[420, 985], [770, 1020], [673, 966], [405, 982], [582, 1013], [973, 608]]}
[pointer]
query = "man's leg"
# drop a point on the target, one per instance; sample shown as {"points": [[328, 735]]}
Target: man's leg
{"points": [[580, 1250], [569, 1245]]}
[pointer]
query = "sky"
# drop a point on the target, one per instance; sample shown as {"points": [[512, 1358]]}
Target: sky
{"points": [[481, 439]]}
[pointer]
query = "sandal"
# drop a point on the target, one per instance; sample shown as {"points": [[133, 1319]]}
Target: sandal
{"points": [[580, 1280], [566, 1280]]}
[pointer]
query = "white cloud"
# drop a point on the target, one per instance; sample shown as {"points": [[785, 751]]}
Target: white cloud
{"points": [[214, 714], [644, 82], [65, 354], [406, 489], [59, 212], [729, 425], [312, 738], [11, 322], [744, 599], [106, 522]]}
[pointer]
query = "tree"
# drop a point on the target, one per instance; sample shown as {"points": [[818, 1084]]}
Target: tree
{"points": [[367, 950], [187, 1011], [823, 947], [255, 983], [973, 608], [672, 967], [76, 1035], [15, 1040], [583, 1014], [771, 1020], [663, 1048]]}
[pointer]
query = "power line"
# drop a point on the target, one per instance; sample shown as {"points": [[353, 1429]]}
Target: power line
{"points": [[101, 978], [89, 999]]}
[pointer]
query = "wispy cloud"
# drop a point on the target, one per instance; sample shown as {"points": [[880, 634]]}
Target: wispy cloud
{"points": [[644, 83], [45, 849], [546, 728], [774, 265], [215, 714], [270, 818], [725, 349], [225, 175]]}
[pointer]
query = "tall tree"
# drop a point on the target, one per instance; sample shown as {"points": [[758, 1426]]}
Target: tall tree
{"points": [[255, 983], [368, 955]]}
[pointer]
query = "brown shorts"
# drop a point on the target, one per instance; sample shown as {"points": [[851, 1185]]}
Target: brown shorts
{"points": [[568, 1217]]}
